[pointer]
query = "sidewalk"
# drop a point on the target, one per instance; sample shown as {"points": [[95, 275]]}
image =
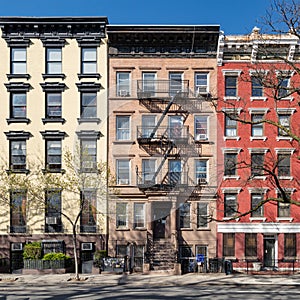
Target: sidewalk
{"points": [[152, 279]]}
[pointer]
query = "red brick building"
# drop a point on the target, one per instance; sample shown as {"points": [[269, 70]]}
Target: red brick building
{"points": [[258, 112]]}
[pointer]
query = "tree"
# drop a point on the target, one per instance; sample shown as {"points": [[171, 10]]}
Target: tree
{"points": [[82, 185], [272, 69]]}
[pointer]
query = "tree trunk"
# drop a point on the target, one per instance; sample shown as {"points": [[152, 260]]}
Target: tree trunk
{"points": [[75, 252]]}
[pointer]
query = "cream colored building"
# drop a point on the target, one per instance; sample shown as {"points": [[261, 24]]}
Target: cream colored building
{"points": [[53, 76], [162, 144]]}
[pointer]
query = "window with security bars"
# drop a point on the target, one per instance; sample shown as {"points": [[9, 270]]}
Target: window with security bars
{"points": [[228, 244], [290, 245], [139, 215], [250, 244]]}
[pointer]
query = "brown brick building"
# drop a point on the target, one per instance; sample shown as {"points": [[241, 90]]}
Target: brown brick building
{"points": [[162, 144]]}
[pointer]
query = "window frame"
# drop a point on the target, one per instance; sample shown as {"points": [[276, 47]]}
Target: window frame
{"points": [[53, 212], [139, 220], [58, 105], [202, 219], [231, 88], [184, 212], [123, 133], [92, 62], [201, 89], [201, 128], [230, 126], [50, 61], [88, 156], [88, 110], [257, 164], [13, 106], [230, 160], [14, 61], [259, 213], [257, 89], [230, 204], [290, 245], [52, 167], [250, 244], [122, 217], [88, 217], [123, 84], [120, 170], [229, 244], [257, 128], [18, 211], [175, 83], [284, 165]]}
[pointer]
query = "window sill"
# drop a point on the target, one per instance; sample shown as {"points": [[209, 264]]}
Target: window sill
{"points": [[62, 76], [203, 229], [283, 138], [231, 219], [186, 229], [285, 177], [258, 98], [122, 229], [45, 171], [140, 228], [287, 99], [18, 171], [231, 177], [124, 142], [259, 177], [253, 219], [88, 120], [253, 138], [237, 138], [226, 98], [53, 120], [289, 219], [16, 120], [91, 75], [11, 76]]}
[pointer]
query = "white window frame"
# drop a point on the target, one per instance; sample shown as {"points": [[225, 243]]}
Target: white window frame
{"points": [[18, 60], [201, 89], [88, 61], [137, 216], [127, 180], [201, 136], [123, 84], [123, 133]]}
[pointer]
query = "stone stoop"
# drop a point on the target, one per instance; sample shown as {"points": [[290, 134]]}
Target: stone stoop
{"points": [[164, 256]]}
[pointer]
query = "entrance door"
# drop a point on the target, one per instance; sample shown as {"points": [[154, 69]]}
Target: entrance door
{"points": [[269, 251], [160, 221], [87, 255]]}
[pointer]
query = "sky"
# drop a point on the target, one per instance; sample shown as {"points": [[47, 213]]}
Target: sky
{"points": [[234, 16]]}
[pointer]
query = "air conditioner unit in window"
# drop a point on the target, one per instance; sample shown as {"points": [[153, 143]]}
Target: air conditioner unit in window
{"points": [[201, 137], [123, 93], [16, 246], [123, 181], [51, 220], [202, 181], [87, 246]]}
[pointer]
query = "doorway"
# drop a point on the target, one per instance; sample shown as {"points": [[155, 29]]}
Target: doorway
{"points": [[161, 220], [269, 251]]}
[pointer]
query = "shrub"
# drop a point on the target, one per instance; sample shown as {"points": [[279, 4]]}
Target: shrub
{"points": [[56, 256], [32, 251]]}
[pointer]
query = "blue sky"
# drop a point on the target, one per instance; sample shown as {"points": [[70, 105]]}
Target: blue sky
{"points": [[234, 16]]}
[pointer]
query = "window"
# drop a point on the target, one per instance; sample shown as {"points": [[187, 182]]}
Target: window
{"points": [[18, 211], [123, 84], [123, 128], [283, 165], [251, 244], [284, 121], [231, 86], [53, 211], [88, 105], [88, 155], [53, 60], [53, 105], [228, 244], [18, 60], [230, 205], [290, 245], [175, 171], [230, 162], [148, 124], [121, 250], [283, 90], [121, 215], [185, 215], [201, 128], [201, 83], [148, 171], [149, 83], [283, 210], [18, 106], [139, 215], [256, 207], [202, 215], [176, 81], [257, 164], [175, 127], [185, 252], [123, 171], [89, 211], [257, 127], [230, 125], [256, 87], [201, 171], [17, 155], [88, 60], [53, 155], [202, 250]]}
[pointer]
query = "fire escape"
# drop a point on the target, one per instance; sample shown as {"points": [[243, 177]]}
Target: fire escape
{"points": [[173, 144]]}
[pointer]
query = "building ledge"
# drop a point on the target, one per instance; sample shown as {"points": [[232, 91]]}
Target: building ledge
{"points": [[232, 138], [253, 138], [253, 219], [258, 98], [282, 219]]}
